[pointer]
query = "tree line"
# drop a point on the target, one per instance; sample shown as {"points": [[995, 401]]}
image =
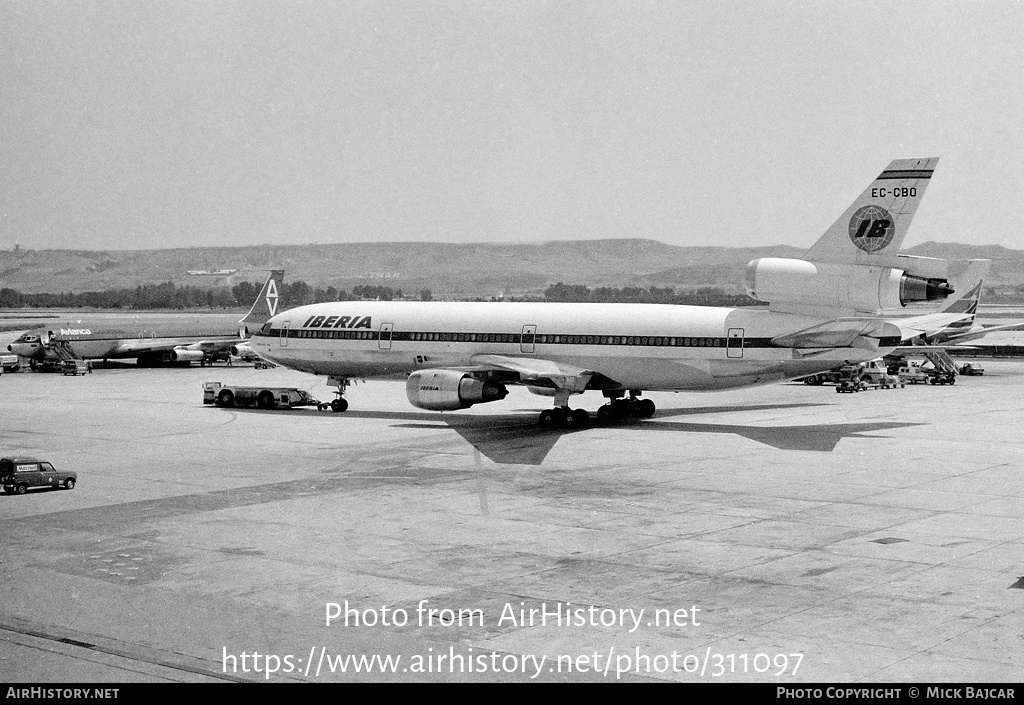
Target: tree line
{"points": [[299, 293], [705, 296], [172, 296]]}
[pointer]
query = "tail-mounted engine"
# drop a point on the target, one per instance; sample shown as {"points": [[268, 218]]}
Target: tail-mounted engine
{"points": [[448, 390], [798, 285]]}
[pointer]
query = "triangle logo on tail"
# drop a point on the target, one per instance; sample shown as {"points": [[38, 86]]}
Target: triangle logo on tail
{"points": [[272, 297]]}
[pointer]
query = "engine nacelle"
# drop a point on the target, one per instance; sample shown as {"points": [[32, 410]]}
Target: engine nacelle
{"points": [[794, 283], [185, 355], [242, 350], [448, 390]]}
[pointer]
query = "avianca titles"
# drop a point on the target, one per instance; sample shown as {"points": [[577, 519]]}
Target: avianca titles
{"points": [[837, 305]]}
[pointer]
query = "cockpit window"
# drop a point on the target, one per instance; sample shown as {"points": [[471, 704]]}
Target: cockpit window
{"points": [[265, 330]]}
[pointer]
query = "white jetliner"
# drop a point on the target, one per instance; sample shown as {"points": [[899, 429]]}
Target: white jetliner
{"points": [[824, 310], [122, 337]]}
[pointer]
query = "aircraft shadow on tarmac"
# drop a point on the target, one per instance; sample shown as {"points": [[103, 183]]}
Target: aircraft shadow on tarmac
{"points": [[518, 439]]}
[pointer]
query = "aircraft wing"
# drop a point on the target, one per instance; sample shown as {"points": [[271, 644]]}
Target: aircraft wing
{"points": [[977, 333], [924, 325], [532, 370], [129, 348], [840, 333]]}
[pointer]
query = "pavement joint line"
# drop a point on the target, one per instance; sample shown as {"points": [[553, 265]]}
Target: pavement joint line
{"points": [[27, 629]]}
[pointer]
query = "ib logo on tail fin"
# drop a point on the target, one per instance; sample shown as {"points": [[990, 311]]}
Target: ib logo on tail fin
{"points": [[267, 303], [877, 222]]}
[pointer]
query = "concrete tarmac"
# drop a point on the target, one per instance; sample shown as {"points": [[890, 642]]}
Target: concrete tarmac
{"points": [[780, 534]]}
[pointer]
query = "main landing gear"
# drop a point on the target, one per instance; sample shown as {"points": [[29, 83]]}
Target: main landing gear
{"points": [[615, 410], [340, 403], [564, 417], [631, 408]]}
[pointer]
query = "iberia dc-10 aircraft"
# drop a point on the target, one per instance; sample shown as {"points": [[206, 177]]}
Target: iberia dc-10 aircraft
{"points": [[124, 337], [824, 310]]}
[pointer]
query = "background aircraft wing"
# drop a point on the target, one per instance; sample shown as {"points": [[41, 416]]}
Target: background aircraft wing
{"points": [[924, 325], [129, 348], [976, 333]]}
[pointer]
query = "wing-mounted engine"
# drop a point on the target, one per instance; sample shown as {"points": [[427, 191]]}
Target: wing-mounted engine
{"points": [[448, 390], [798, 286], [186, 354]]}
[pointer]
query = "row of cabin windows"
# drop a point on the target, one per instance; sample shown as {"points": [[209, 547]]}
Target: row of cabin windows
{"points": [[513, 338]]}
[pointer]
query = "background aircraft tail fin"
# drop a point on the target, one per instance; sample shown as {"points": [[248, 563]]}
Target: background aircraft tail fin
{"points": [[878, 221], [267, 303]]}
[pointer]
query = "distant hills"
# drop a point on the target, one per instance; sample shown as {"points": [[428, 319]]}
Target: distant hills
{"points": [[446, 269]]}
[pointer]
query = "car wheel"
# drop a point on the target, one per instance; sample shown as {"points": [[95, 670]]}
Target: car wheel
{"points": [[21, 489], [69, 484], [226, 398]]}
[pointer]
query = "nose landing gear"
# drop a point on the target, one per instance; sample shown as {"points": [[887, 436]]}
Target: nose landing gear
{"points": [[340, 403]]}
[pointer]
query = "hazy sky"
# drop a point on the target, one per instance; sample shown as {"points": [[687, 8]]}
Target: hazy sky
{"points": [[164, 124]]}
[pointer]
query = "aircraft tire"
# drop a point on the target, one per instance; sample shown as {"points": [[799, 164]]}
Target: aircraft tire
{"points": [[552, 418], [339, 405], [646, 408], [569, 419], [575, 418], [607, 414]]}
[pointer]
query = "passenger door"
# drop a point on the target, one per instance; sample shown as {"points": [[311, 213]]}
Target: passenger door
{"points": [[526, 344], [734, 343], [384, 340], [47, 475]]}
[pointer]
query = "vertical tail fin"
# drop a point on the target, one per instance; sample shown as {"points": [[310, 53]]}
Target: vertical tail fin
{"points": [[967, 305], [878, 221], [267, 303]]}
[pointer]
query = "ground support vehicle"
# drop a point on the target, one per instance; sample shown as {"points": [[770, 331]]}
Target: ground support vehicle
{"points": [[881, 380], [890, 382], [19, 475], [850, 384], [261, 397], [75, 367], [912, 374], [972, 369], [831, 377], [262, 364], [937, 376], [9, 363]]}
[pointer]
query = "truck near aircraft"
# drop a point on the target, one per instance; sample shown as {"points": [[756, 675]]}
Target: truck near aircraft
{"points": [[260, 397]]}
